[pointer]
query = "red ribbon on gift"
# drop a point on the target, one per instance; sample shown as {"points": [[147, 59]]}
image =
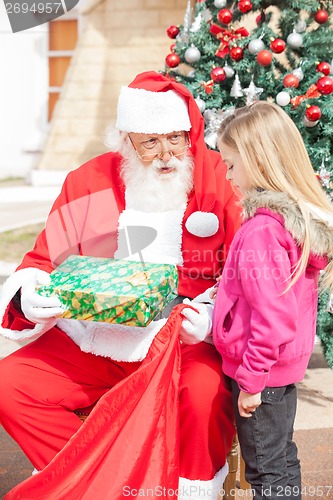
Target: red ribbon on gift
{"points": [[311, 93], [208, 86], [226, 36]]}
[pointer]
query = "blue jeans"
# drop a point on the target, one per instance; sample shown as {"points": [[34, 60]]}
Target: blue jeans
{"points": [[271, 464]]}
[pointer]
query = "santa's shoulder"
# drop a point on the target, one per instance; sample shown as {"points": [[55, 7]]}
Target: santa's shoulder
{"points": [[98, 173], [101, 163]]}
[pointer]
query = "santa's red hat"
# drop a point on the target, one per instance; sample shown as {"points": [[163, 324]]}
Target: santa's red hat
{"points": [[154, 103]]}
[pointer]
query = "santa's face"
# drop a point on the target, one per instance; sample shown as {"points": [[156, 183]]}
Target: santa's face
{"points": [[158, 150], [158, 174]]}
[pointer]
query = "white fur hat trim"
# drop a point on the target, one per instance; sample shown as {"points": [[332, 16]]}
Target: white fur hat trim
{"points": [[202, 224], [146, 112]]}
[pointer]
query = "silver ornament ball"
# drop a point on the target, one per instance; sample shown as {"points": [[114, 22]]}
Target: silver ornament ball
{"points": [[192, 55], [295, 40], [229, 71], [256, 46], [219, 4], [299, 73], [283, 98], [201, 104], [309, 124], [300, 26]]}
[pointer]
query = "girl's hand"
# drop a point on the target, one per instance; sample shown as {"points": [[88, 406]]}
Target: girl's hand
{"points": [[247, 403], [213, 293]]}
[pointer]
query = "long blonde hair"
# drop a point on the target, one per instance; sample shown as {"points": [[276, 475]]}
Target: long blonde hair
{"points": [[275, 158]]}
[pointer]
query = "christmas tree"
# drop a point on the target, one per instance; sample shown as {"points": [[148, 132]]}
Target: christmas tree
{"points": [[232, 53]]}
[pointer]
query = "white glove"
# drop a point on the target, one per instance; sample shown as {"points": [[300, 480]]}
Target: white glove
{"points": [[35, 307], [196, 326], [206, 296]]}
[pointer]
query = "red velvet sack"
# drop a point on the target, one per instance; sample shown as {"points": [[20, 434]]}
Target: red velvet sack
{"points": [[130, 441]]}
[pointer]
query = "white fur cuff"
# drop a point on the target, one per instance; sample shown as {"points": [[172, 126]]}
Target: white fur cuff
{"points": [[203, 490], [147, 112], [118, 342], [11, 286]]}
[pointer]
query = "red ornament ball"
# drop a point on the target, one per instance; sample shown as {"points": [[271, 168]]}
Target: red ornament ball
{"points": [[323, 67], [225, 16], [313, 113], [261, 18], [173, 31], [325, 85], [278, 45], [172, 60], [244, 6], [291, 80], [321, 16], [218, 75], [173, 47], [236, 53], [264, 57]]}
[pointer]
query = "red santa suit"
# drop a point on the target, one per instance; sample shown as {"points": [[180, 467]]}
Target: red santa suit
{"points": [[73, 364]]}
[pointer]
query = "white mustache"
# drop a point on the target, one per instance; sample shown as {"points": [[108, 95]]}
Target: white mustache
{"points": [[159, 164]]}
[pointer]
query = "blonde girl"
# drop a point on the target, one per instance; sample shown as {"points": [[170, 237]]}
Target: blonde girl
{"points": [[266, 304]]}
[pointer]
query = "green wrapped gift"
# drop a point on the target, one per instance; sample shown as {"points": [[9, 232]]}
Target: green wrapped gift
{"points": [[111, 290]]}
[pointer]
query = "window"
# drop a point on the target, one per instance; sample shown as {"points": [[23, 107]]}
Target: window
{"points": [[63, 36]]}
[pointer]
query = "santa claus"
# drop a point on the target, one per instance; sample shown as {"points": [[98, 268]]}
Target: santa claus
{"points": [[159, 196]]}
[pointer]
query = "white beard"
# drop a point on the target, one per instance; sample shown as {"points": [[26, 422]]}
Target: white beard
{"points": [[149, 190]]}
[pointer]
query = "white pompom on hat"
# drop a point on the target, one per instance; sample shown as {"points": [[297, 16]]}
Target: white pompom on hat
{"points": [[146, 112], [202, 224]]}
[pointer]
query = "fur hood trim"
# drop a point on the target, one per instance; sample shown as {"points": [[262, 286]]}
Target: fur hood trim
{"points": [[321, 225]]}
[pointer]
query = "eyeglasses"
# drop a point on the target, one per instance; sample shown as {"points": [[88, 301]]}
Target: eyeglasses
{"points": [[176, 146]]}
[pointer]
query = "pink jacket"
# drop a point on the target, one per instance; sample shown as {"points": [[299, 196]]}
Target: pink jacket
{"points": [[266, 336]]}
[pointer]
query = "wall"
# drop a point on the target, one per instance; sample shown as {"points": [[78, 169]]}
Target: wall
{"points": [[118, 40], [23, 94]]}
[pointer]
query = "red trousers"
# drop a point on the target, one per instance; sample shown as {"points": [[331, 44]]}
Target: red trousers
{"points": [[44, 382]]}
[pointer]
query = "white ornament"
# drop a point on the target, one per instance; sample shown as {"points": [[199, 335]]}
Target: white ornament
{"points": [[236, 89], [187, 22], [300, 26], [256, 46], [201, 104], [295, 40], [325, 176], [196, 25], [213, 119], [229, 71], [252, 93], [192, 55], [309, 124], [207, 15], [299, 73], [219, 4], [283, 98]]}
